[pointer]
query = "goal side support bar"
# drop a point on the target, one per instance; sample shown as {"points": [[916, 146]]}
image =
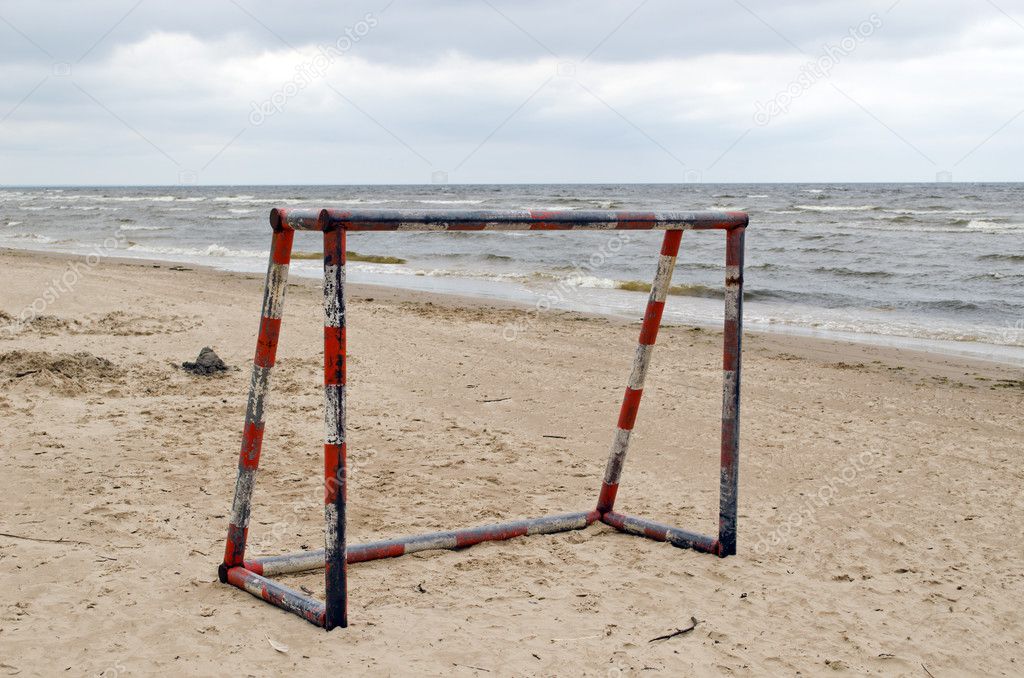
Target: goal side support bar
{"points": [[252, 574]]}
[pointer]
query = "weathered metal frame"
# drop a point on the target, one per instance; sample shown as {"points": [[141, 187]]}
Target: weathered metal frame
{"points": [[252, 574]]}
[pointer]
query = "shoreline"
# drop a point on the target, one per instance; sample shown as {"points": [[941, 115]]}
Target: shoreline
{"points": [[504, 296]]}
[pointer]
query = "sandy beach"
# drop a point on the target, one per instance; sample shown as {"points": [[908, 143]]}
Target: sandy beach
{"points": [[880, 510]]}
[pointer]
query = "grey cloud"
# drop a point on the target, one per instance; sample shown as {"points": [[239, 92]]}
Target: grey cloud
{"points": [[670, 88]]}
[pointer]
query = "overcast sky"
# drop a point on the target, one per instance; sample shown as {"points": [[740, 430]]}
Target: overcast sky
{"points": [[414, 91]]}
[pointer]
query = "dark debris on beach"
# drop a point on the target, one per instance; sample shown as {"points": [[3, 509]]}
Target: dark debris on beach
{"points": [[208, 363]]}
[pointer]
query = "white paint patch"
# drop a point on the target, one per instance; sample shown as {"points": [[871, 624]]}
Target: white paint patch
{"points": [[259, 387], [566, 523], [331, 539], [243, 498], [334, 290], [663, 278], [732, 303], [441, 541], [617, 457], [273, 297], [298, 562], [641, 362], [729, 396], [334, 415]]}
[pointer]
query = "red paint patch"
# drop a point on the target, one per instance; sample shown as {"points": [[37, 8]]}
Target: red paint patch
{"points": [[630, 405], [731, 351], [376, 553], [334, 247], [281, 246], [333, 219], [234, 551], [631, 221], [670, 245], [252, 442], [657, 534], [266, 344], [476, 536], [652, 321], [606, 500], [334, 472], [254, 566]]}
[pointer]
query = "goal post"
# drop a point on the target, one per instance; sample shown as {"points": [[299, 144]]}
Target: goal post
{"points": [[253, 574]]}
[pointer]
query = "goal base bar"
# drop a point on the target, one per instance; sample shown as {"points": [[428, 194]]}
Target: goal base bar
{"points": [[253, 577], [432, 541], [310, 609], [658, 532]]}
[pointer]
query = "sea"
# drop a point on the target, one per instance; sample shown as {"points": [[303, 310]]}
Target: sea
{"points": [[937, 267]]}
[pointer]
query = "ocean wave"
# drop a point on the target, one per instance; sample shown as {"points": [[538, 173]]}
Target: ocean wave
{"points": [[588, 281], [34, 237], [852, 273], [996, 275], [479, 256], [213, 250], [140, 227], [933, 210], [450, 202], [837, 208], [1002, 257], [993, 226], [14, 223], [224, 217]]}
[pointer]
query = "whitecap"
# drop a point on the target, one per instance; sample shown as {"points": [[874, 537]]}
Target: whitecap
{"points": [[836, 208]]}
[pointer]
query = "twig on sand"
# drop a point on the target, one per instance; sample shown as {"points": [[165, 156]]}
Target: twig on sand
{"points": [[927, 671], [679, 632], [554, 436], [470, 666], [62, 540], [494, 400]]}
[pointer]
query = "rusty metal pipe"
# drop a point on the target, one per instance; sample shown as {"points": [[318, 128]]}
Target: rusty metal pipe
{"points": [[652, 530], [454, 539], [500, 220], [310, 609]]}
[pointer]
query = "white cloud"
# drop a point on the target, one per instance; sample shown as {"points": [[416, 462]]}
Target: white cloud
{"points": [[414, 107]]}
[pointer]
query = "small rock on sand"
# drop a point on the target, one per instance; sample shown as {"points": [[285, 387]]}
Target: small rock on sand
{"points": [[207, 363]]}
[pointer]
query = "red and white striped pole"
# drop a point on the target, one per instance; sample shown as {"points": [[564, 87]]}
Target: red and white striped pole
{"points": [[334, 420], [731, 354], [252, 432], [642, 360]]}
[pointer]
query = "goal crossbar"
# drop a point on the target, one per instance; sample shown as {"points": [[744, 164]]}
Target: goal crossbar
{"points": [[252, 574]]}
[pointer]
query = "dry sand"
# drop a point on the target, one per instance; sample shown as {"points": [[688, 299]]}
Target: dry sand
{"points": [[880, 519]]}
